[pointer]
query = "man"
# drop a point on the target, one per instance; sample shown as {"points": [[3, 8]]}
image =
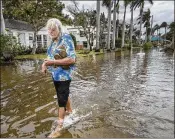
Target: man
{"points": [[61, 76]]}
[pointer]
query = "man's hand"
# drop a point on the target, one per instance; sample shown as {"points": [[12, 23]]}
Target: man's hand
{"points": [[44, 68]]}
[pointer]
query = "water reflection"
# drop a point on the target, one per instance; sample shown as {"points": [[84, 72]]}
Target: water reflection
{"points": [[130, 94]]}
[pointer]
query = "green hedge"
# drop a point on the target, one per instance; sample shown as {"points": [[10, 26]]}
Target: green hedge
{"points": [[9, 45], [147, 45]]}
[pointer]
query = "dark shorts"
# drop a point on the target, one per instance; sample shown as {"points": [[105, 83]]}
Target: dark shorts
{"points": [[62, 90]]}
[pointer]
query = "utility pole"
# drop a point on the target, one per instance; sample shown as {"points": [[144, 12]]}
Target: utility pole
{"points": [[2, 21]]}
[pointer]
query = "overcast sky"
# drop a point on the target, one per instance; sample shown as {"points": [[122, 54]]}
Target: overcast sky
{"points": [[161, 10]]}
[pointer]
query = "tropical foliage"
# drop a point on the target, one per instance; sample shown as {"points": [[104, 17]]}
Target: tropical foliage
{"points": [[146, 21], [86, 19], [164, 25]]}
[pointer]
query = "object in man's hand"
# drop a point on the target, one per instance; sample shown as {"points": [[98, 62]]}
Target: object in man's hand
{"points": [[62, 54]]}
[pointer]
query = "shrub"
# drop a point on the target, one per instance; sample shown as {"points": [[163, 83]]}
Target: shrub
{"points": [[118, 43], [135, 45], [155, 44], [9, 47], [147, 45], [85, 51], [127, 41], [40, 50]]}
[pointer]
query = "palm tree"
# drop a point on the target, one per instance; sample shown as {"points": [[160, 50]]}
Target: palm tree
{"points": [[114, 25], [146, 20], [117, 21], [114, 22], [151, 32], [155, 28], [131, 23], [137, 33], [2, 21], [98, 26], [103, 27], [108, 4], [140, 3], [164, 24], [172, 28], [126, 2]]}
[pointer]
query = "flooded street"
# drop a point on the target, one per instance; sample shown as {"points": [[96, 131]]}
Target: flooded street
{"points": [[125, 94]]}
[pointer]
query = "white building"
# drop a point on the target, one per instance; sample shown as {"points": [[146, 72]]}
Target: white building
{"points": [[78, 32], [43, 38], [24, 34], [21, 30]]}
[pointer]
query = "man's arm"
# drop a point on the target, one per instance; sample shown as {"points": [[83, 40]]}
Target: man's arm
{"points": [[60, 62]]}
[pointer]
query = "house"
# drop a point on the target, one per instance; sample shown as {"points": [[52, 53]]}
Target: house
{"points": [[78, 32], [43, 39], [24, 34], [21, 30]]}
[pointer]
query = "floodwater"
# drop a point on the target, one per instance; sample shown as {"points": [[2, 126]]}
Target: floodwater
{"points": [[125, 94]]}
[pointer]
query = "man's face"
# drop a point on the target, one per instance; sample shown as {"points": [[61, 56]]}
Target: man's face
{"points": [[53, 33]]}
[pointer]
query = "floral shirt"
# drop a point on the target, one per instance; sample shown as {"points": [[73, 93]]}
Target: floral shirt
{"points": [[58, 73]]}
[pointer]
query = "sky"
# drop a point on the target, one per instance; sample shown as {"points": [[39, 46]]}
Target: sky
{"points": [[162, 11]]}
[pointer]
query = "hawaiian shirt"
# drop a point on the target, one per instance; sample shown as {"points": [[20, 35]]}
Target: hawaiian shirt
{"points": [[58, 73]]}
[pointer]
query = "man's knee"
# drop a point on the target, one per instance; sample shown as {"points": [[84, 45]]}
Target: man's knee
{"points": [[62, 100]]}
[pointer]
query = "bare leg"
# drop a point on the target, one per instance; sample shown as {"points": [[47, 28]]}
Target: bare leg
{"points": [[61, 112], [68, 106], [56, 132]]}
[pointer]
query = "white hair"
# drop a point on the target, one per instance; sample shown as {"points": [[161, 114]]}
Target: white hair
{"points": [[55, 23]]}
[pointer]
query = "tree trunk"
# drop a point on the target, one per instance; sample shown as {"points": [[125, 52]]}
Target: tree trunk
{"points": [[89, 41], [141, 17], [151, 28], [123, 29], [173, 41], [146, 36], [131, 27], [109, 27], [34, 43], [2, 21], [165, 35], [98, 26], [114, 24], [159, 35], [117, 25]]}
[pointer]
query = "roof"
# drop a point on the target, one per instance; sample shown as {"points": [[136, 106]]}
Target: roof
{"points": [[19, 25]]}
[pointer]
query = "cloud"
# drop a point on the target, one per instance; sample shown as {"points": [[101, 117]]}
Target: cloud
{"points": [[162, 11]]}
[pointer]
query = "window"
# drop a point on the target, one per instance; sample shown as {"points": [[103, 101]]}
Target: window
{"points": [[45, 37], [30, 36], [38, 37], [81, 33], [85, 44], [39, 43], [45, 40]]}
